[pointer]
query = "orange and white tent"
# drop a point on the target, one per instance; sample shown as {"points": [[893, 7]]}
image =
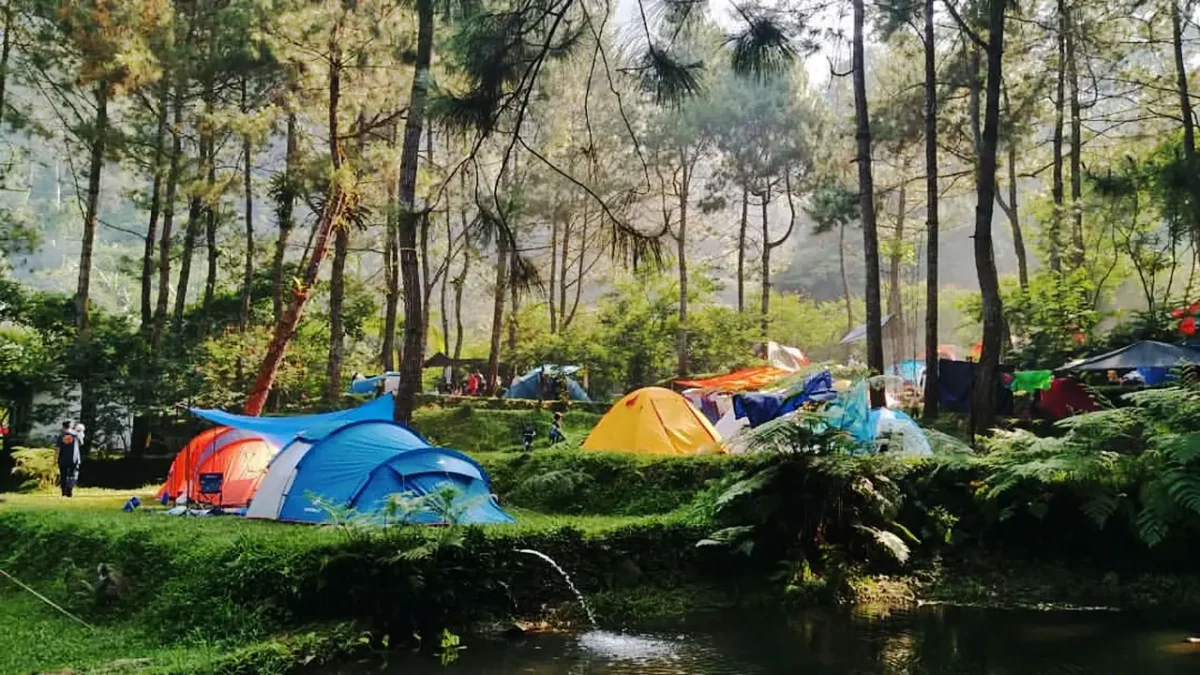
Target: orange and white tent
{"points": [[219, 467]]}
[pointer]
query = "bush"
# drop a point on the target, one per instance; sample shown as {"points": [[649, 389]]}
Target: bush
{"points": [[587, 482], [35, 468]]}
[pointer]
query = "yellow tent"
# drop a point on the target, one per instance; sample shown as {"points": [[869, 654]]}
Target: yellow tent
{"points": [[654, 420]]}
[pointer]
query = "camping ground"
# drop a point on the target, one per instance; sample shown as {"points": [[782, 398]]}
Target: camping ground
{"points": [[639, 534]]}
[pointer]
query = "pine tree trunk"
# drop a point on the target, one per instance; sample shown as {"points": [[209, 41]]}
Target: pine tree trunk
{"points": [[1185, 114], [446, 261], [427, 278], [866, 197], [741, 253], [514, 317], [164, 97], [983, 407], [287, 221], [932, 392], [895, 307], [248, 193], [195, 211], [845, 277], [498, 291], [5, 52], [413, 355], [391, 269], [337, 205], [551, 300], [1013, 210], [459, 283], [565, 317], [92, 211], [1056, 183], [337, 333], [681, 332], [579, 273], [164, 244], [765, 299], [1078, 252], [210, 231]]}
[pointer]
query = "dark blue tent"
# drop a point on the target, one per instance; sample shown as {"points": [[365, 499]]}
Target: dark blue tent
{"points": [[532, 386]]}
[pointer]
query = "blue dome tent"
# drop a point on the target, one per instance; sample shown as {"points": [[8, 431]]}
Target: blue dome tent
{"points": [[529, 386], [360, 465]]}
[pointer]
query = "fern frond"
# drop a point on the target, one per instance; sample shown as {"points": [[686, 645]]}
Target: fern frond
{"points": [[1100, 506]]}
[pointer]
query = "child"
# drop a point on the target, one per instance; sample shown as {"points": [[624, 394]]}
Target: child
{"points": [[556, 433], [527, 435]]}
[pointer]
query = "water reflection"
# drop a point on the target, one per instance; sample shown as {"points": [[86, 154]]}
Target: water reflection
{"points": [[927, 641]]}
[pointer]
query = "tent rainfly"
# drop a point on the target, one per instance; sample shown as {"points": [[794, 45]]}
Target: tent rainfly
{"points": [[360, 465], [280, 430], [1144, 354], [221, 466], [654, 420], [859, 332]]}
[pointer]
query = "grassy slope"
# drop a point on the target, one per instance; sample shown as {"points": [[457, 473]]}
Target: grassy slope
{"points": [[472, 430], [35, 638]]}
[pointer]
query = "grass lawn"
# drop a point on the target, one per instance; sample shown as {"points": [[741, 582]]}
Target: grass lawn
{"points": [[34, 637]]}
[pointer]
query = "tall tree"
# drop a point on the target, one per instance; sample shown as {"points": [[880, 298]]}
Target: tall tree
{"points": [[983, 405], [866, 197], [156, 188], [339, 202], [284, 190], [164, 245], [932, 391], [409, 219]]}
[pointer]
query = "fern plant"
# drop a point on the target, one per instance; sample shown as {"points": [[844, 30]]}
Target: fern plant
{"points": [[1142, 459]]}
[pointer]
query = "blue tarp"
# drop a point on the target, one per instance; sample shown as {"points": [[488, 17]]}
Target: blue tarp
{"points": [[530, 384], [367, 385], [762, 408], [360, 465], [283, 429], [910, 371]]}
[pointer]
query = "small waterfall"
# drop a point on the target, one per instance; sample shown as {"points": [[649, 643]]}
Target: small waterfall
{"points": [[566, 577]]}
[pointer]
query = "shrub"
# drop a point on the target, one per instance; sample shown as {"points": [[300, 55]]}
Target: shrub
{"points": [[35, 467]]}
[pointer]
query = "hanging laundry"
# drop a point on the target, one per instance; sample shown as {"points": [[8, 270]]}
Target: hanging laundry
{"points": [[1032, 380]]}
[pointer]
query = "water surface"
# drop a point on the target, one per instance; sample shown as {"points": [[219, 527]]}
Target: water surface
{"points": [[929, 640]]}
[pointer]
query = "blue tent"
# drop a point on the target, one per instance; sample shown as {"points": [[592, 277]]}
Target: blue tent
{"points": [[284, 429], [360, 465], [530, 384]]}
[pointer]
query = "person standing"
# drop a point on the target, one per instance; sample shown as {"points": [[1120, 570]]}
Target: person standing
{"points": [[66, 456], [556, 432]]}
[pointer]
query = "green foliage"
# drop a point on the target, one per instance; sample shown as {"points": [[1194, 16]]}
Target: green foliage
{"points": [[587, 482], [1139, 462], [630, 341], [35, 467]]}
